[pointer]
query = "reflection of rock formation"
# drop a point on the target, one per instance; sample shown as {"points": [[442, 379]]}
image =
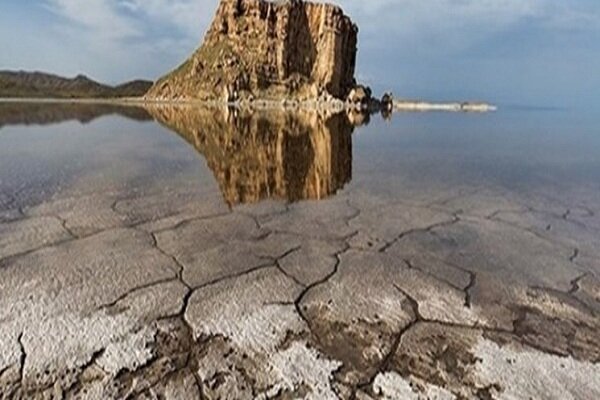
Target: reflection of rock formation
{"points": [[258, 156], [51, 113]]}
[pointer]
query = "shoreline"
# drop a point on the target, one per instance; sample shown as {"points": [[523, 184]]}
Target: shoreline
{"points": [[451, 106], [260, 104]]}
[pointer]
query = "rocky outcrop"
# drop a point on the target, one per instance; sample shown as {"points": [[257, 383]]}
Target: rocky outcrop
{"points": [[270, 50], [274, 154]]}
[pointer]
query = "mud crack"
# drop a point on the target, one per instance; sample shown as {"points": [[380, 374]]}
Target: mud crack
{"points": [[427, 229]]}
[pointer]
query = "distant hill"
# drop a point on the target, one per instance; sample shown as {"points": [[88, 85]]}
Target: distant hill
{"points": [[21, 84]]}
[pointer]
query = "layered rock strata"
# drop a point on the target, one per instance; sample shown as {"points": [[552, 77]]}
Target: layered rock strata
{"points": [[270, 50]]}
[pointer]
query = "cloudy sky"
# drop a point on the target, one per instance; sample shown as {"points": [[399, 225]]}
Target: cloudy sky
{"points": [[526, 52]]}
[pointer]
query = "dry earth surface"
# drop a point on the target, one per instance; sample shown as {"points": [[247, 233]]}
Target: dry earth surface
{"points": [[173, 295]]}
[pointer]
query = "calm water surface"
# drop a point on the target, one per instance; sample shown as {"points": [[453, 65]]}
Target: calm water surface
{"points": [[53, 151]]}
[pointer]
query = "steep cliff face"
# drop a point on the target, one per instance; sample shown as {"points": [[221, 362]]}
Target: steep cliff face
{"points": [[267, 155], [268, 50]]}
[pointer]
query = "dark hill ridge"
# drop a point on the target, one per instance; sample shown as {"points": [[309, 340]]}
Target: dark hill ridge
{"points": [[22, 84]]}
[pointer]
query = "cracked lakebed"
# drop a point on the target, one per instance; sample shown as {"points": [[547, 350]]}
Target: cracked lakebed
{"points": [[297, 257]]}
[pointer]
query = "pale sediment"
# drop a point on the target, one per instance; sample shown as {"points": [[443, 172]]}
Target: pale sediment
{"points": [[455, 106], [354, 296]]}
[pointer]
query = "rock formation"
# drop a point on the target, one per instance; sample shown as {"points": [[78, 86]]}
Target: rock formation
{"points": [[269, 50], [267, 155]]}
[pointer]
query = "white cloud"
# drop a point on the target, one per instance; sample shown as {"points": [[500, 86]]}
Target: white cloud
{"points": [[406, 18], [453, 23], [115, 40], [189, 16], [100, 17], [438, 27], [438, 14]]}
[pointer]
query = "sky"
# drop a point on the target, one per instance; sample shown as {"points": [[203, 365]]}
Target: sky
{"points": [[539, 53]]}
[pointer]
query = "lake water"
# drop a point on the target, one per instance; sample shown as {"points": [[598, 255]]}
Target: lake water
{"points": [[52, 151], [173, 251]]}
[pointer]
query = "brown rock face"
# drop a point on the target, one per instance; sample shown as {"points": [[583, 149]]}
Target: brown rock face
{"points": [[268, 50], [277, 155]]}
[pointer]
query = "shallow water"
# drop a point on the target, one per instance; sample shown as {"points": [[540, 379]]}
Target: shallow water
{"points": [[173, 251], [54, 150]]}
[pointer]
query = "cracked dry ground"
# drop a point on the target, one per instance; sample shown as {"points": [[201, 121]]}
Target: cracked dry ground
{"points": [[478, 295]]}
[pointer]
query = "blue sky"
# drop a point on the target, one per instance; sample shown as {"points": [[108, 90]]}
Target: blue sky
{"points": [[529, 52]]}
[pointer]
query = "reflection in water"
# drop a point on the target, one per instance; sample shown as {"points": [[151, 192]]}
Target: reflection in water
{"points": [[254, 156], [267, 154], [25, 113]]}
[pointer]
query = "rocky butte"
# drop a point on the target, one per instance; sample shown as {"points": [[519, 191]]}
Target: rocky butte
{"points": [[272, 50]]}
